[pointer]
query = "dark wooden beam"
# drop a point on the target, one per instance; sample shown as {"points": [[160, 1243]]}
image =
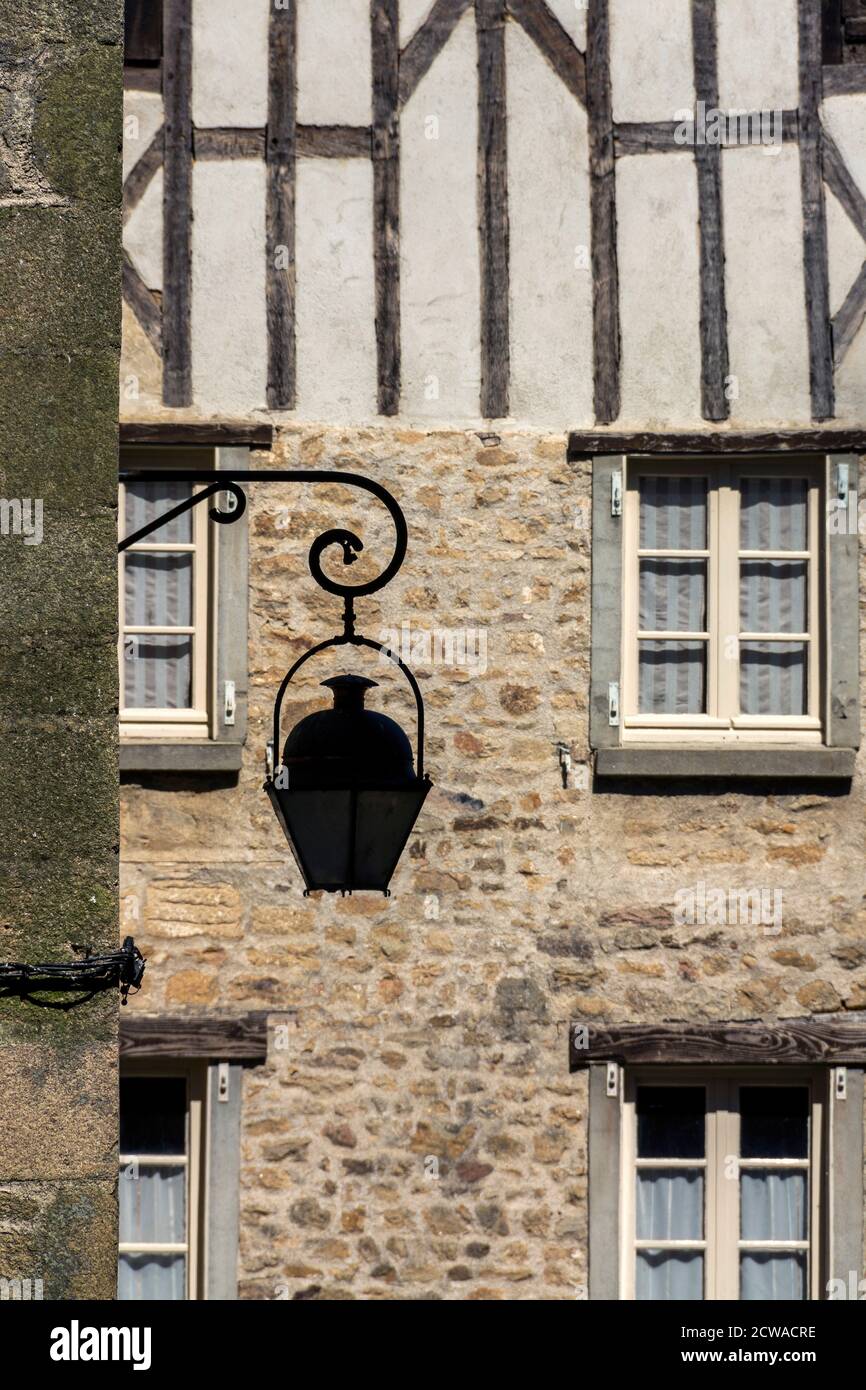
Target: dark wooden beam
{"points": [[583, 444], [334, 141], [228, 142], [646, 137], [602, 190], [663, 137], [280, 281], [177, 205], [845, 80], [558, 47], [842, 185], [815, 259], [222, 434], [385, 32], [850, 318], [321, 141], [427, 43], [141, 173], [493, 225], [708, 159], [142, 303], [230, 1038], [796, 1041]]}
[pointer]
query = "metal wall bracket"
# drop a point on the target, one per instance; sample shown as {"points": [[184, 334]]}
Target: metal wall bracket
{"points": [[613, 1080], [229, 705], [223, 1074], [613, 702], [616, 492], [840, 1083]]}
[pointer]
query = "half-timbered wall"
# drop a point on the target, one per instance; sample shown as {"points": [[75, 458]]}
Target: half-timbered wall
{"points": [[477, 209]]}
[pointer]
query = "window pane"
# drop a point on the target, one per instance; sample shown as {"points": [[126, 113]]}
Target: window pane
{"points": [[672, 677], [146, 501], [673, 595], [153, 1115], [157, 589], [772, 1205], [670, 1121], [773, 678], [152, 1205], [773, 514], [673, 513], [774, 1122], [147, 1277], [664, 1275], [157, 671], [772, 1277], [670, 1204], [773, 596]]}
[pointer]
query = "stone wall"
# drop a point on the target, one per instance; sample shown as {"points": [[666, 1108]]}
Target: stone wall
{"points": [[416, 1131], [60, 73]]}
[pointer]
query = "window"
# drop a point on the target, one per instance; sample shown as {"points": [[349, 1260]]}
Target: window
{"points": [[167, 626], [160, 1187], [142, 33], [844, 29], [721, 1187], [183, 594], [722, 593]]}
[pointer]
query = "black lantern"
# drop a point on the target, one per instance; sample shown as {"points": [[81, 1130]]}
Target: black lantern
{"points": [[346, 791], [347, 794]]}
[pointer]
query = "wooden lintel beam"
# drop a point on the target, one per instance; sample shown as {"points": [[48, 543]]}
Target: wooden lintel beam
{"points": [[796, 1041], [231, 1038], [583, 443], [225, 433]]}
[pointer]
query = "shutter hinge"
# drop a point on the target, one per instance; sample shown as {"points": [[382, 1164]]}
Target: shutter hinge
{"points": [[613, 702], [229, 702], [616, 492], [223, 1081]]}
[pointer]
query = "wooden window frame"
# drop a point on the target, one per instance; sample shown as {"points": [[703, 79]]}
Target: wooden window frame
{"points": [[722, 724], [197, 722], [721, 1194], [193, 1247]]}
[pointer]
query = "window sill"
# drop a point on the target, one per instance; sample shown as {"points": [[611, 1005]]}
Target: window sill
{"points": [[788, 764], [162, 756]]}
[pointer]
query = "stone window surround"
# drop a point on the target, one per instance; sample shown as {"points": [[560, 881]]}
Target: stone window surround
{"points": [[224, 752], [842, 1187], [218, 1232], [832, 761]]}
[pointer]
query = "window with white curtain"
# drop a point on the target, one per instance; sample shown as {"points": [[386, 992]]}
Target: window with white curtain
{"points": [[720, 1189], [723, 591], [166, 604], [160, 1195]]}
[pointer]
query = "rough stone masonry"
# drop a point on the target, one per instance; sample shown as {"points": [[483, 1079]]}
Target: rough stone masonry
{"points": [[415, 1131], [60, 129]]}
